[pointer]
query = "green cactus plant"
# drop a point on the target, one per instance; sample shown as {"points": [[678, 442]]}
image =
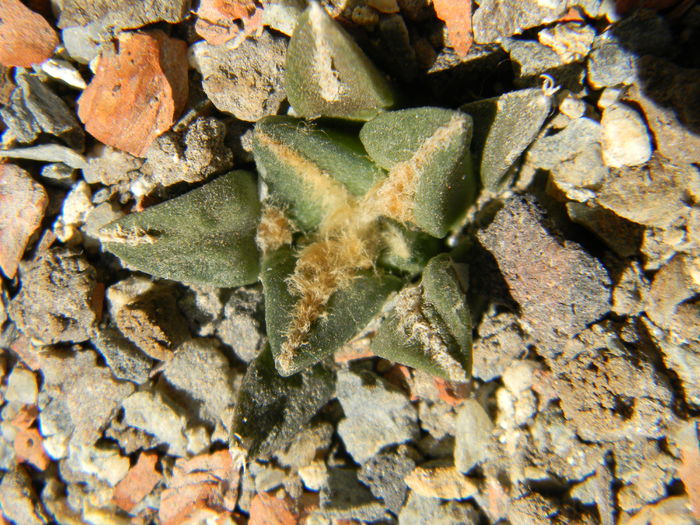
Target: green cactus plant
{"points": [[351, 217]]}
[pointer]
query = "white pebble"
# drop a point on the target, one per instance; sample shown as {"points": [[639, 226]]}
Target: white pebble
{"points": [[625, 138]]}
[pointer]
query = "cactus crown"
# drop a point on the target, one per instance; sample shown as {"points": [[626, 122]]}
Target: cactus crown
{"points": [[350, 218]]}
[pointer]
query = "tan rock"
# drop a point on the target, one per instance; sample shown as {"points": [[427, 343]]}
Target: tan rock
{"points": [[625, 137], [26, 38], [137, 92], [138, 483], [441, 482], [22, 206]]}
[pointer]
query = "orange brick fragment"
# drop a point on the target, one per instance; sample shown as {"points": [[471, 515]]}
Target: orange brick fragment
{"points": [[22, 205], [138, 91], [267, 509], [204, 486], [25, 417], [138, 482], [26, 38], [689, 471], [29, 447], [218, 20], [450, 392], [457, 16]]}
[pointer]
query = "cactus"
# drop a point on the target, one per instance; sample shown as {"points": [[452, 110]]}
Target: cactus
{"points": [[349, 218]]}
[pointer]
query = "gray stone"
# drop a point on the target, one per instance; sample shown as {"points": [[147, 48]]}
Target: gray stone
{"points": [[503, 128], [47, 153], [192, 155], [203, 307], [268, 478], [50, 111], [305, 446], [500, 340], [573, 156], [123, 357], [438, 418], [472, 435], [150, 412], [609, 64], [495, 19], [18, 500], [59, 174], [106, 165], [624, 137], [82, 42], [104, 462], [560, 287], [55, 302], [246, 81], [96, 218], [241, 326], [123, 14], [530, 58], [200, 370], [376, 414], [420, 510], [345, 498], [20, 124], [85, 396], [570, 40], [384, 474]]}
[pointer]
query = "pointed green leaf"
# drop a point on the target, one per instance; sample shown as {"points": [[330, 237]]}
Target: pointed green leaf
{"points": [[430, 326], [503, 128], [315, 170], [426, 151], [348, 311], [206, 236], [327, 74], [270, 409]]}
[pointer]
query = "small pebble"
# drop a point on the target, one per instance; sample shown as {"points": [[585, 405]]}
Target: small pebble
{"points": [[625, 137]]}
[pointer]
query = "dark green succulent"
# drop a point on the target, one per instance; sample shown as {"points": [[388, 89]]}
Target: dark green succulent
{"points": [[351, 218]]}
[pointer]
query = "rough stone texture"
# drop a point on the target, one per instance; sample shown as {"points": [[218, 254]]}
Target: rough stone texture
{"points": [[20, 126], [472, 434], [85, 396], [111, 16], [246, 81], [572, 41], [573, 156], [55, 302], [384, 474], [190, 156], [500, 340], [345, 498], [106, 165], [666, 97], [241, 326], [147, 314], [608, 392], [441, 482], [201, 371], [559, 287], [376, 414], [150, 412], [137, 91], [652, 195], [123, 357], [624, 136], [495, 19], [623, 236], [22, 206], [530, 59], [47, 153], [18, 500], [50, 112], [21, 386], [305, 446], [420, 510], [631, 291], [26, 38]]}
